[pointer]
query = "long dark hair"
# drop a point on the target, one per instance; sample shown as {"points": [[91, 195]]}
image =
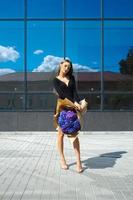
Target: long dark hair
{"points": [[70, 72]]}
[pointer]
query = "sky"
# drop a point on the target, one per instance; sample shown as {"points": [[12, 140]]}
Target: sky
{"points": [[45, 41]]}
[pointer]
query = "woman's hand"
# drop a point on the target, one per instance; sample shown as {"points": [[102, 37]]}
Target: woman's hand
{"points": [[78, 106]]}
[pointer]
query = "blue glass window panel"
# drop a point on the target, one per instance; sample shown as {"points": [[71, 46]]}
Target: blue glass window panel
{"points": [[118, 8], [12, 9], [83, 44], [45, 8], [83, 9]]}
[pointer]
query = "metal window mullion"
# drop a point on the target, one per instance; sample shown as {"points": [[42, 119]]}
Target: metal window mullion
{"points": [[64, 28], [25, 55], [102, 54], [68, 19]]}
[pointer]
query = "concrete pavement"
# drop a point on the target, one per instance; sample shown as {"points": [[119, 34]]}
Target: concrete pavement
{"points": [[30, 168]]}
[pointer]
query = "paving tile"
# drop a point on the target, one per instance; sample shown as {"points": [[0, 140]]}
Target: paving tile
{"points": [[30, 167]]}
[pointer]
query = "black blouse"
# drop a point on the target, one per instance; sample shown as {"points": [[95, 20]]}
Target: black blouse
{"points": [[65, 91]]}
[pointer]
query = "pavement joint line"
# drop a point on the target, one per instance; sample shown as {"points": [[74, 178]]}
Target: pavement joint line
{"points": [[32, 169]]}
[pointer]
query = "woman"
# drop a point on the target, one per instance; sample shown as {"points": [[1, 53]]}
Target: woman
{"points": [[64, 84]]}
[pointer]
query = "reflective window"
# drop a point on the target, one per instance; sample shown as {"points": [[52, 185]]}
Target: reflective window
{"points": [[55, 29], [118, 8], [45, 51], [11, 56], [41, 101], [83, 9], [12, 9], [118, 102], [88, 81], [83, 47], [118, 55], [11, 101], [94, 100], [45, 8]]}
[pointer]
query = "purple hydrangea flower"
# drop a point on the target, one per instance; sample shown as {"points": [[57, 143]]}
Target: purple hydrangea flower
{"points": [[68, 121]]}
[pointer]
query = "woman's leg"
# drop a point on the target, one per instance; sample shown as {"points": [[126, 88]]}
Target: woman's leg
{"points": [[76, 146], [60, 145]]}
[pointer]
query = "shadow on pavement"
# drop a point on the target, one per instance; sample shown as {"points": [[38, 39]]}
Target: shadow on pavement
{"points": [[102, 161]]}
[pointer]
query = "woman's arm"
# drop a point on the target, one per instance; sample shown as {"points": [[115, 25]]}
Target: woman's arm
{"points": [[58, 89]]}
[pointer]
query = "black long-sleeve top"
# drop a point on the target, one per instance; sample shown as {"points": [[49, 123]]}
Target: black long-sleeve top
{"points": [[65, 91]]}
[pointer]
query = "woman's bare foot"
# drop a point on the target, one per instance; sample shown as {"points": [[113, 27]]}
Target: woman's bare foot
{"points": [[63, 164], [79, 168]]}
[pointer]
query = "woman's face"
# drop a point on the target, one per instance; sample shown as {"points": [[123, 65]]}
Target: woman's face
{"points": [[65, 67]]}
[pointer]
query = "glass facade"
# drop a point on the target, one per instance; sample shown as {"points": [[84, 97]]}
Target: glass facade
{"points": [[96, 35]]}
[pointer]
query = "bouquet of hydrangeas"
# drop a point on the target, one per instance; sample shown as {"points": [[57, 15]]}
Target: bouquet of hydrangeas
{"points": [[68, 121]]}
